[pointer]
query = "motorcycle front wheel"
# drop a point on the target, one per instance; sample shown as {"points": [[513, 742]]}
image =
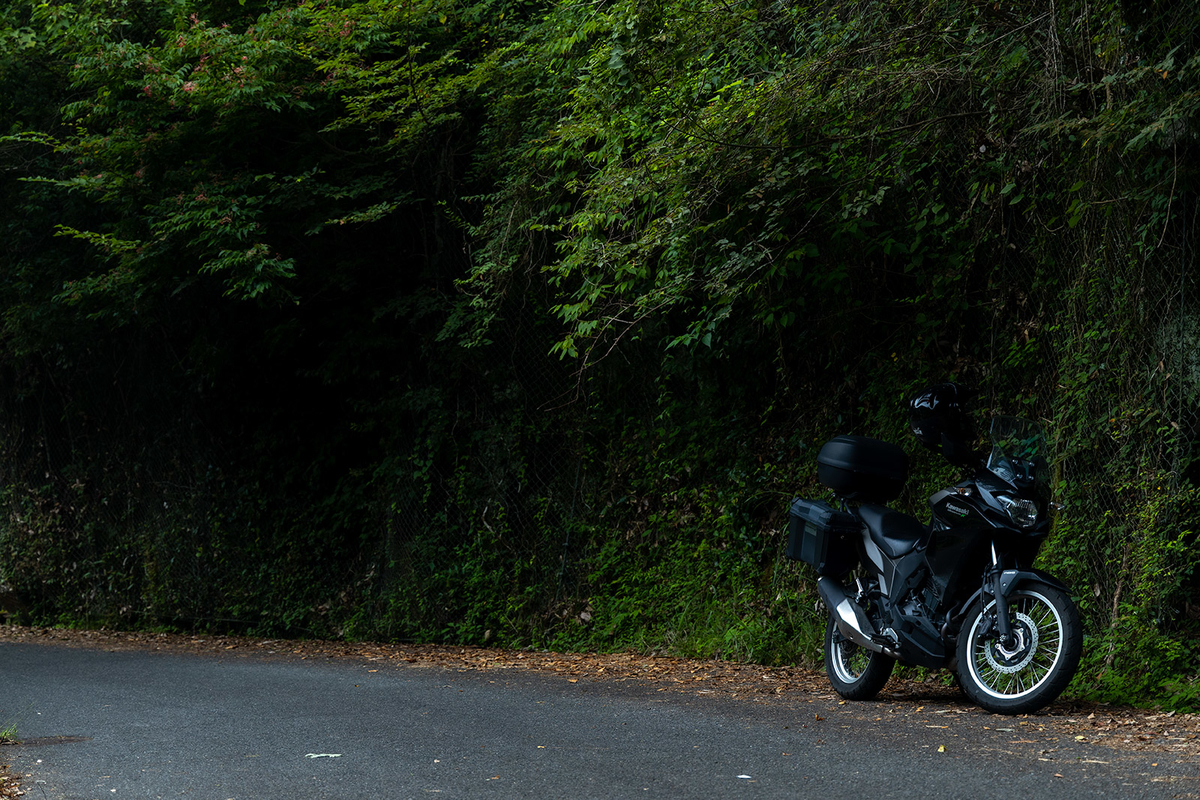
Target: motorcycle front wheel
{"points": [[856, 673], [1035, 668]]}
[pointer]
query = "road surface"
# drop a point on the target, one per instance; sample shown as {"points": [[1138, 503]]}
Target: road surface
{"points": [[100, 724]]}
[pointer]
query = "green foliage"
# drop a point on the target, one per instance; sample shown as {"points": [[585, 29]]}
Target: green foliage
{"points": [[520, 322]]}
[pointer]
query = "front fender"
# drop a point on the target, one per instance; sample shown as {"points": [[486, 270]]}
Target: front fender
{"points": [[1010, 581]]}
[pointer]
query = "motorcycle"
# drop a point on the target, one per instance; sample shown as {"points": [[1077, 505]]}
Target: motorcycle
{"points": [[959, 593]]}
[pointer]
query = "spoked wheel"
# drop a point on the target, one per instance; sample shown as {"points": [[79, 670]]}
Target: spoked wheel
{"points": [[855, 672], [1033, 669]]}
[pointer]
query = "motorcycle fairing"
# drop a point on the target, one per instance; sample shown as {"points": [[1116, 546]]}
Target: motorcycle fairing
{"points": [[921, 643], [954, 555], [955, 509]]}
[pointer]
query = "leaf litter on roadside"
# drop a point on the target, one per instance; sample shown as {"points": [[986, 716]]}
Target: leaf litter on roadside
{"points": [[1114, 726], [10, 787]]}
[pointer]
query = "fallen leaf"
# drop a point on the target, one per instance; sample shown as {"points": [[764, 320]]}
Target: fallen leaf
{"points": [[941, 748]]}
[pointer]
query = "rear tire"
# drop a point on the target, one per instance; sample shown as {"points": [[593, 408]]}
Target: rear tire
{"points": [[1040, 664], [856, 673]]}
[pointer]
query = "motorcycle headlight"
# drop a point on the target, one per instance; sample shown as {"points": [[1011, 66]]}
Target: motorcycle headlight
{"points": [[1023, 513]]}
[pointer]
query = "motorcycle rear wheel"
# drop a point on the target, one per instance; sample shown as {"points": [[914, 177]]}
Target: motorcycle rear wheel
{"points": [[1039, 665], [855, 673]]}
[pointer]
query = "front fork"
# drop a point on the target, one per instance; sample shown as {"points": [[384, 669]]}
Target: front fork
{"points": [[992, 586]]}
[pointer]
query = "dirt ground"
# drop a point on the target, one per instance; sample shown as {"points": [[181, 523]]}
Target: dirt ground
{"points": [[1114, 726]]}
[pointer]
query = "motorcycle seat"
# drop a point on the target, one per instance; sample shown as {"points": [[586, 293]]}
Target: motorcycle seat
{"points": [[896, 534]]}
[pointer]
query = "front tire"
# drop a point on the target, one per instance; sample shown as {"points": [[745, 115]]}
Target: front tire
{"points": [[855, 672], [1040, 664]]}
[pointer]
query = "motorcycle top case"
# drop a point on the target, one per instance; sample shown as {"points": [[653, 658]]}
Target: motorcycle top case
{"points": [[822, 537], [863, 469]]}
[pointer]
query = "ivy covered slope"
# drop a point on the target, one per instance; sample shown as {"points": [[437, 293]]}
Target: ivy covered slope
{"points": [[521, 322]]}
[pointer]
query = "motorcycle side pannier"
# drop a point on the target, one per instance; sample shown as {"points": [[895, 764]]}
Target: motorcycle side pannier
{"points": [[822, 536], [863, 469]]}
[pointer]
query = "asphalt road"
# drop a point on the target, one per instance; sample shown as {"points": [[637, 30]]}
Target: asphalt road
{"points": [[101, 724]]}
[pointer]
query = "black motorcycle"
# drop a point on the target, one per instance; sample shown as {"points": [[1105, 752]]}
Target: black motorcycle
{"points": [[960, 592]]}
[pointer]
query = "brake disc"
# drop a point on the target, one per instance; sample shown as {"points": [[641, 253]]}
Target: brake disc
{"points": [[1018, 657]]}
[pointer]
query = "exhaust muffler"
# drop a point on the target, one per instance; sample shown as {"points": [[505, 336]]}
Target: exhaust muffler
{"points": [[850, 618]]}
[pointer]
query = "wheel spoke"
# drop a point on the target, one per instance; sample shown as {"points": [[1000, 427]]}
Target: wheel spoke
{"points": [[1006, 673], [857, 673], [850, 660]]}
